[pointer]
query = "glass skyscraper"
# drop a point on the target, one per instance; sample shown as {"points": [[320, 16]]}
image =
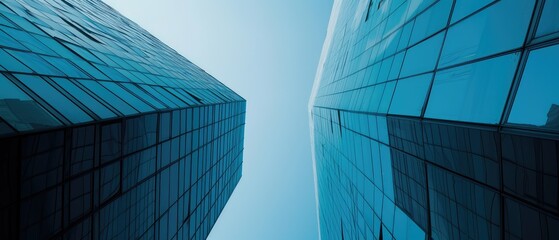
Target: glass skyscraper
{"points": [[106, 132], [438, 120]]}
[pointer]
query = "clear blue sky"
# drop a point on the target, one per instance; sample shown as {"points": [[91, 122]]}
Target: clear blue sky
{"points": [[267, 51]]}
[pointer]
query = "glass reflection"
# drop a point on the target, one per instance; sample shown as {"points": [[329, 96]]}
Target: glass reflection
{"points": [[537, 101]]}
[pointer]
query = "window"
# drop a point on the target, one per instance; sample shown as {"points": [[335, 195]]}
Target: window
{"points": [[143, 95], [422, 57], [109, 97], [127, 97], [431, 21], [20, 111], [84, 98], [473, 93], [549, 21], [463, 8], [36, 63], [537, 102], [488, 32], [410, 94], [54, 98], [12, 64]]}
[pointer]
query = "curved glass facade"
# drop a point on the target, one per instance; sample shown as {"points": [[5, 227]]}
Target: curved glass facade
{"points": [[438, 120]]}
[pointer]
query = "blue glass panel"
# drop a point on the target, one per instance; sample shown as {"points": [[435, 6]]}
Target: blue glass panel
{"points": [[488, 32], [537, 99], [112, 73], [127, 97], [7, 41], [143, 95], [405, 37], [12, 64], [431, 21], [473, 93], [109, 97], [53, 97], [463, 8], [4, 21], [28, 41], [84, 98], [417, 6], [68, 68], [423, 56], [20, 111], [169, 96], [549, 21], [158, 95], [36, 63], [410, 94], [405, 228], [386, 97]]}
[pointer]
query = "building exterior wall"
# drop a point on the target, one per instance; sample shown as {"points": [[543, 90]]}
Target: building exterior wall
{"points": [[438, 119], [106, 132]]}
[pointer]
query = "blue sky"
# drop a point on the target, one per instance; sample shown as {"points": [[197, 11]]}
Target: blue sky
{"points": [[268, 52]]}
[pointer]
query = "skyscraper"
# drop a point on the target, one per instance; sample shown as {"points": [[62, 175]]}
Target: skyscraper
{"points": [[438, 120], [106, 132]]}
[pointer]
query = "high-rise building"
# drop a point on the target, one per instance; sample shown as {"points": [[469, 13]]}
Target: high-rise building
{"points": [[106, 132], [438, 120]]}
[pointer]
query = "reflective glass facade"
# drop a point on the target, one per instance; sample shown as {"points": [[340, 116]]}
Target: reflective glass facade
{"points": [[106, 132], [438, 120]]}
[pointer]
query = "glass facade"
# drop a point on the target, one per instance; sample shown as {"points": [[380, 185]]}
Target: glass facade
{"points": [[436, 119], [106, 132]]}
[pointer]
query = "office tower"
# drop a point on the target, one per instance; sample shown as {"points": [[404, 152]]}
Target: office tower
{"points": [[438, 120], [106, 132]]}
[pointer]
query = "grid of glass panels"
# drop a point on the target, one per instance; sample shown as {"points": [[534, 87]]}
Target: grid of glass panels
{"points": [[84, 62], [462, 98], [165, 175], [106, 132]]}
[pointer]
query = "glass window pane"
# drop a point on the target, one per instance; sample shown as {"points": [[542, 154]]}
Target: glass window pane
{"points": [[84, 98], [20, 111], [143, 95], [158, 95], [488, 32], [549, 21], [36, 63], [423, 56], [28, 41], [66, 67], [127, 97], [410, 94], [170, 96], [431, 21], [11, 64], [53, 97], [7, 41], [464, 8], [537, 100], [108, 97], [473, 93]]}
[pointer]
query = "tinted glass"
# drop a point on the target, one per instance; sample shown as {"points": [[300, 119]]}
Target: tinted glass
{"points": [[431, 21], [549, 21], [410, 94], [474, 38], [55, 98], [423, 56], [473, 93], [537, 99], [464, 8], [107, 96], [143, 95], [127, 97], [20, 111], [84, 98]]}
